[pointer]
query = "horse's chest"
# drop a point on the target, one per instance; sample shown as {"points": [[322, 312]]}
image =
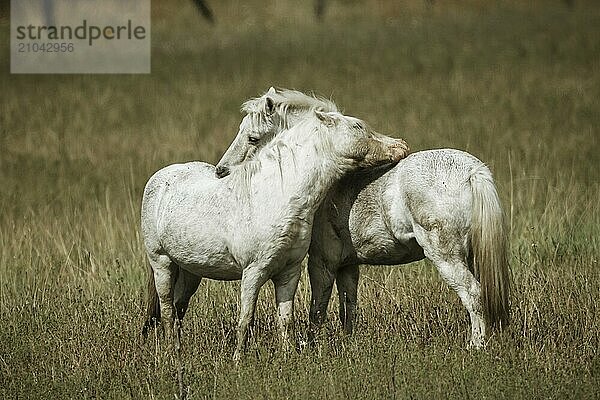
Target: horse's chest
{"points": [[288, 244], [297, 239]]}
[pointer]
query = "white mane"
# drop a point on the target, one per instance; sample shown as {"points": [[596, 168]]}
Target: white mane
{"points": [[287, 102]]}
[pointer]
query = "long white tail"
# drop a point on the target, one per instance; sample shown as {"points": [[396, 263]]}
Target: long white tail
{"points": [[153, 305], [489, 250]]}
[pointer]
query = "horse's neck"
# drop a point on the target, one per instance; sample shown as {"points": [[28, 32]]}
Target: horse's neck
{"points": [[373, 179], [363, 186], [296, 182]]}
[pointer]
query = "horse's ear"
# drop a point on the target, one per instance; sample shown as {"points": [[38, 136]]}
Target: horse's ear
{"points": [[269, 106], [326, 118], [271, 90]]}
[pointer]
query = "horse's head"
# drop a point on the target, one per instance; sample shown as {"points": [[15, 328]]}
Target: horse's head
{"points": [[357, 144], [266, 116], [256, 129]]}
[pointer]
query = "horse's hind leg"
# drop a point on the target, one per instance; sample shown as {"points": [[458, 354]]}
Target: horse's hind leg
{"points": [[457, 275], [347, 285], [321, 285], [165, 272], [446, 249], [185, 287]]}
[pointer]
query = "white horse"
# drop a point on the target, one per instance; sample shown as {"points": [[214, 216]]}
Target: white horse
{"points": [[439, 204], [254, 225]]}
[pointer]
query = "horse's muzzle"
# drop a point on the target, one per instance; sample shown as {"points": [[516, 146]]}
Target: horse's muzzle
{"points": [[400, 150]]}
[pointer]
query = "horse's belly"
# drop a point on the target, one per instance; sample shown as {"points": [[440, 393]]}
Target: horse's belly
{"points": [[219, 266], [210, 260], [389, 251], [216, 272]]}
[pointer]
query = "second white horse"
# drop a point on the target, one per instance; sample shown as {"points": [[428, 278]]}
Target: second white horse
{"points": [[440, 204]]}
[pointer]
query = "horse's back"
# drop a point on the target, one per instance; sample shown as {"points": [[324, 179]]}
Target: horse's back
{"points": [[429, 168], [173, 173], [166, 179]]}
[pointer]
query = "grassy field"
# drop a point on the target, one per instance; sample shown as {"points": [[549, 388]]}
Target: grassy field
{"points": [[517, 86]]}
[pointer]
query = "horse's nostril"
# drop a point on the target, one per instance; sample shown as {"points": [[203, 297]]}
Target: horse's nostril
{"points": [[221, 171]]}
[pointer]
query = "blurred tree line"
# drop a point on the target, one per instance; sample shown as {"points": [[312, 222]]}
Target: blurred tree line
{"points": [[203, 7]]}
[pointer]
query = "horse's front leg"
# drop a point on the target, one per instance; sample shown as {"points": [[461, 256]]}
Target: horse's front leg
{"points": [[286, 284], [347, 285], [253, 277]]}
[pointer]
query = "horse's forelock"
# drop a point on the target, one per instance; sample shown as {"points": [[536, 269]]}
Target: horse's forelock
{"points": [[252, 105]]}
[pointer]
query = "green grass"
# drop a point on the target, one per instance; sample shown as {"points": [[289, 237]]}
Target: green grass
{"points": [[518, 86]]}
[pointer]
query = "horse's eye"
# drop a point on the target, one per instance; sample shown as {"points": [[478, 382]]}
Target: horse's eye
{"points": [[253, 140]]}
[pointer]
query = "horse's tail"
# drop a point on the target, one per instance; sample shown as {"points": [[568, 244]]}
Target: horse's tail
{"points": [[153, 305], [489, 249]]}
